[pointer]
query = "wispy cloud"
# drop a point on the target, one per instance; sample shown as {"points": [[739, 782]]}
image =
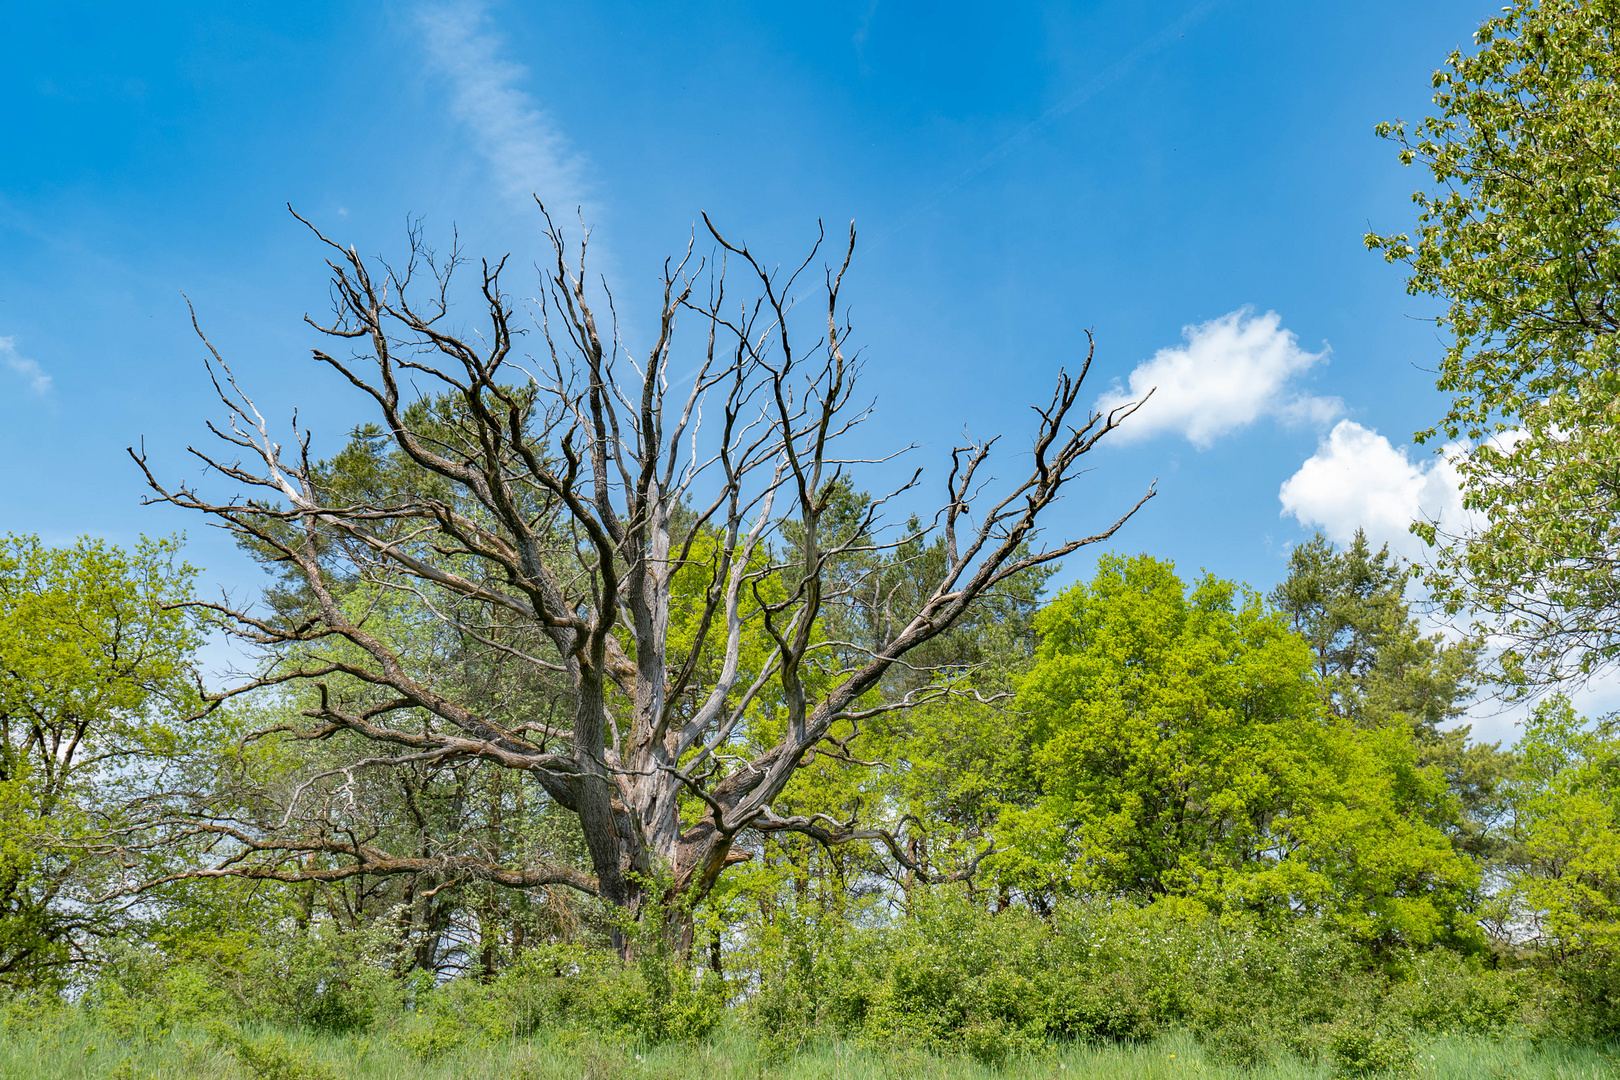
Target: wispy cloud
{"points": [[1231, 372], [22, 365], [526, 151]]}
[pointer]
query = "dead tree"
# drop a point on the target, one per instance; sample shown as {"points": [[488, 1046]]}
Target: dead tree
{"points": [[560, 498]]}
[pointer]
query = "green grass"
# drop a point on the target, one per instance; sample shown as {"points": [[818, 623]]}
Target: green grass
{"points": [[73, 1048]]}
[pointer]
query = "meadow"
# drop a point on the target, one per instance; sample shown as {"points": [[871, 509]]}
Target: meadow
{"points": [[78, 1048]]}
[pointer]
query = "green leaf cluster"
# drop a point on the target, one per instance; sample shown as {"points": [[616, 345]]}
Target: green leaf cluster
{"points": [[1184, 747], [95, 669], [1562, 865], [1519, 235]]}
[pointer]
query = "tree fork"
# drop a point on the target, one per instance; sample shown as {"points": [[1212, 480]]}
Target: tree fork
{"points": [[557, 503]]}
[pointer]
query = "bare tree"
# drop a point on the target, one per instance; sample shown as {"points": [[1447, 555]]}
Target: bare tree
{"points": [[559, 503]]}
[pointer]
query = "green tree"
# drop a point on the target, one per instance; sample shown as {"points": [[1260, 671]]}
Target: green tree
{"points": [[95, 669], [1565, 806], [1563, 861], [1183, 747], [1380, 669], [1518, 236]]}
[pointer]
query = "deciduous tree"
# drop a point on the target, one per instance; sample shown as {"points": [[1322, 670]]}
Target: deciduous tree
{"points": [[1517, 234], [95, 670], [555, 501], [1183, 748]]}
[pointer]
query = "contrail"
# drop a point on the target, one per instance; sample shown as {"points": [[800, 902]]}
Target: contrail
{"points": [[1100, 82], [526, 151]]}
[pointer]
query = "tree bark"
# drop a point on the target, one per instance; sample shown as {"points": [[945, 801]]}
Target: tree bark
{"points": [[555, 506]]}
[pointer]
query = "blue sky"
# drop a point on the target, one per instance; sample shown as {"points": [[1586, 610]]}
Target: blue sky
{"points": [[1189, 180]]}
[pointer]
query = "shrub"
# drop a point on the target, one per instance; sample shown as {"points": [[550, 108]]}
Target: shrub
{"points": [[952, 969], [432, 1039], [1367, 1045], [1583, 1001], [1439, 992], [323, 979], [654, 1000], [808, 981], [953, 977], [270, 1058], [141, 994], [320, 979]]}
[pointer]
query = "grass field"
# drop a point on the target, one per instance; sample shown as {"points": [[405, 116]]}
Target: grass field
{"points": [[75, 1049]]}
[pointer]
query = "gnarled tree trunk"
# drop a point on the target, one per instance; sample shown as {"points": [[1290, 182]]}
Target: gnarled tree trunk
{"points": [[554, 508]]}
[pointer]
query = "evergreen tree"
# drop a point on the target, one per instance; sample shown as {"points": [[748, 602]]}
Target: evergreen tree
{"points": [[1379, 669]]}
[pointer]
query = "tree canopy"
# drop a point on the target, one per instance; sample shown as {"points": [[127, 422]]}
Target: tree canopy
{"points": [[95, 672], [1184, 748], [1378, 669], [1517, 235]]}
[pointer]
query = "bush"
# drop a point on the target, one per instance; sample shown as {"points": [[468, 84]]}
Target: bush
{"points": [[320, 980], [1243, 990], [950, 978], [953, 977], [270, 1058], [1439, 992], [432, 1039], [323, 979], [951, 969], [567, 987], [141, 994], [655, 1001], [1367, 1045], [807, 981], [1583, 1002]]}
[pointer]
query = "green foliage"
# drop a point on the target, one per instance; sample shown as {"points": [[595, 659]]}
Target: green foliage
{"points": [[1380, 670], [1439, 992], [1376, 666], [315, 978], [950, 978], [432, 1040], [1364, 1046], [271, 1057], [566, 988], [1565, 805], [94, 668], [956, 978], [1182, 749], [141, 994], [655, 1001], [1517, 234], [1563, 861], [323, 979], [1150, 706]]}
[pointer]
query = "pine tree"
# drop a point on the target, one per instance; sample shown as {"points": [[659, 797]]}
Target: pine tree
{"points": [[1379, 668]]}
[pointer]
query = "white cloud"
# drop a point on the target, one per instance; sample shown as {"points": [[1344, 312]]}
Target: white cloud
{"points": [[28, 369], [1231, 372], [524, 148], [1358, 480]]}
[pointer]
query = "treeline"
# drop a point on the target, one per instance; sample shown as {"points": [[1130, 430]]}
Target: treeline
{"points": [[1150, 805]]}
